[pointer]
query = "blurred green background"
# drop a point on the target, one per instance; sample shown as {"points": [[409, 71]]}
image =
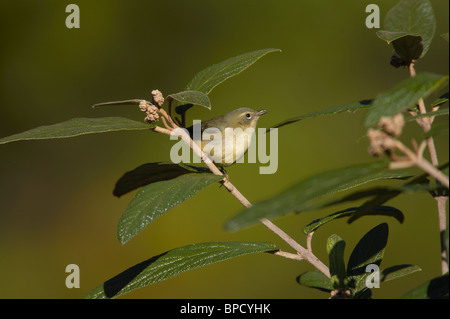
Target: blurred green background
{"points": [[56, 202]]}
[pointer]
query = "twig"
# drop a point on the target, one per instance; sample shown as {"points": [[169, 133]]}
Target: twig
{"points": [[422, 163], [287, 255], [302, 252], [441, 200], [309, 241]]}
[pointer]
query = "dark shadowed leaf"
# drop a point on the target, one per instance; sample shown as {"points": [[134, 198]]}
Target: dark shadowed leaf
{"points": [[315, 279], [151, 173], [418, 183], [434, 289], [369, 250], [381, 210], [350, 108], [405, 95], [157, 198], [209, 78], [335, 249], [409, 26], [302, 194], [173, 263], [78, 126]]}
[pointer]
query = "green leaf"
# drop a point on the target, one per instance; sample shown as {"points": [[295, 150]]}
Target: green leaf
{"points": [[440, 112], [173, 263], [191, 97], [408, 47], [358, 194], [418, 183], [302, 194], [405, 95], [351, 108], [157, 198], [209, 78], [433, 289], [335, 249], [78, 126], [381, 210], [410, 26], [441, 100], [369, 250], [151, 173], [315, 279], [398, 271]]}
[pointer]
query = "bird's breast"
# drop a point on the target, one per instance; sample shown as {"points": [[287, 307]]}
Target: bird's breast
{"points": [[226, 147]]}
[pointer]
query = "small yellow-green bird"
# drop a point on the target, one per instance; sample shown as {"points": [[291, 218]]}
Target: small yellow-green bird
{"points": [[225, 139]]}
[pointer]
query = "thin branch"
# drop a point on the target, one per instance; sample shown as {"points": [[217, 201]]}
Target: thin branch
{"points": [[287, 255], [422, 163], [441, 200], [303, 253], [309, 241]]}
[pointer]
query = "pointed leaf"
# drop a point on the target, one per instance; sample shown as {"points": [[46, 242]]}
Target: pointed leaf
{"points": [[369, 250], [405, 95], [358, 194], [191, 97], [434, 289], [335, 249], [440, 112], [381, 210], [173, 263], [151, 173], [300, 195], [78, 126], [352, 107], [209, 78], [157, 198], [441, 100], [417, 183], [315, 279], [397, 272]]}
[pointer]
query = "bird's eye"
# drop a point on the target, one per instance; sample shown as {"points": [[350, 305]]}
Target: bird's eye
{"points": [[248, 115]]}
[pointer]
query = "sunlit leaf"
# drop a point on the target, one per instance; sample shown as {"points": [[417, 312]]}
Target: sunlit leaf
{"points": [[397, 271], [151, 173], [405, 95], [191, 97], [76, 127], [315, 279], [173, 263], [157, 198], [207, 79]]}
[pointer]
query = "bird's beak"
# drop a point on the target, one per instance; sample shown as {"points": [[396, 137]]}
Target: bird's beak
{"points": [[261, 112]]}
